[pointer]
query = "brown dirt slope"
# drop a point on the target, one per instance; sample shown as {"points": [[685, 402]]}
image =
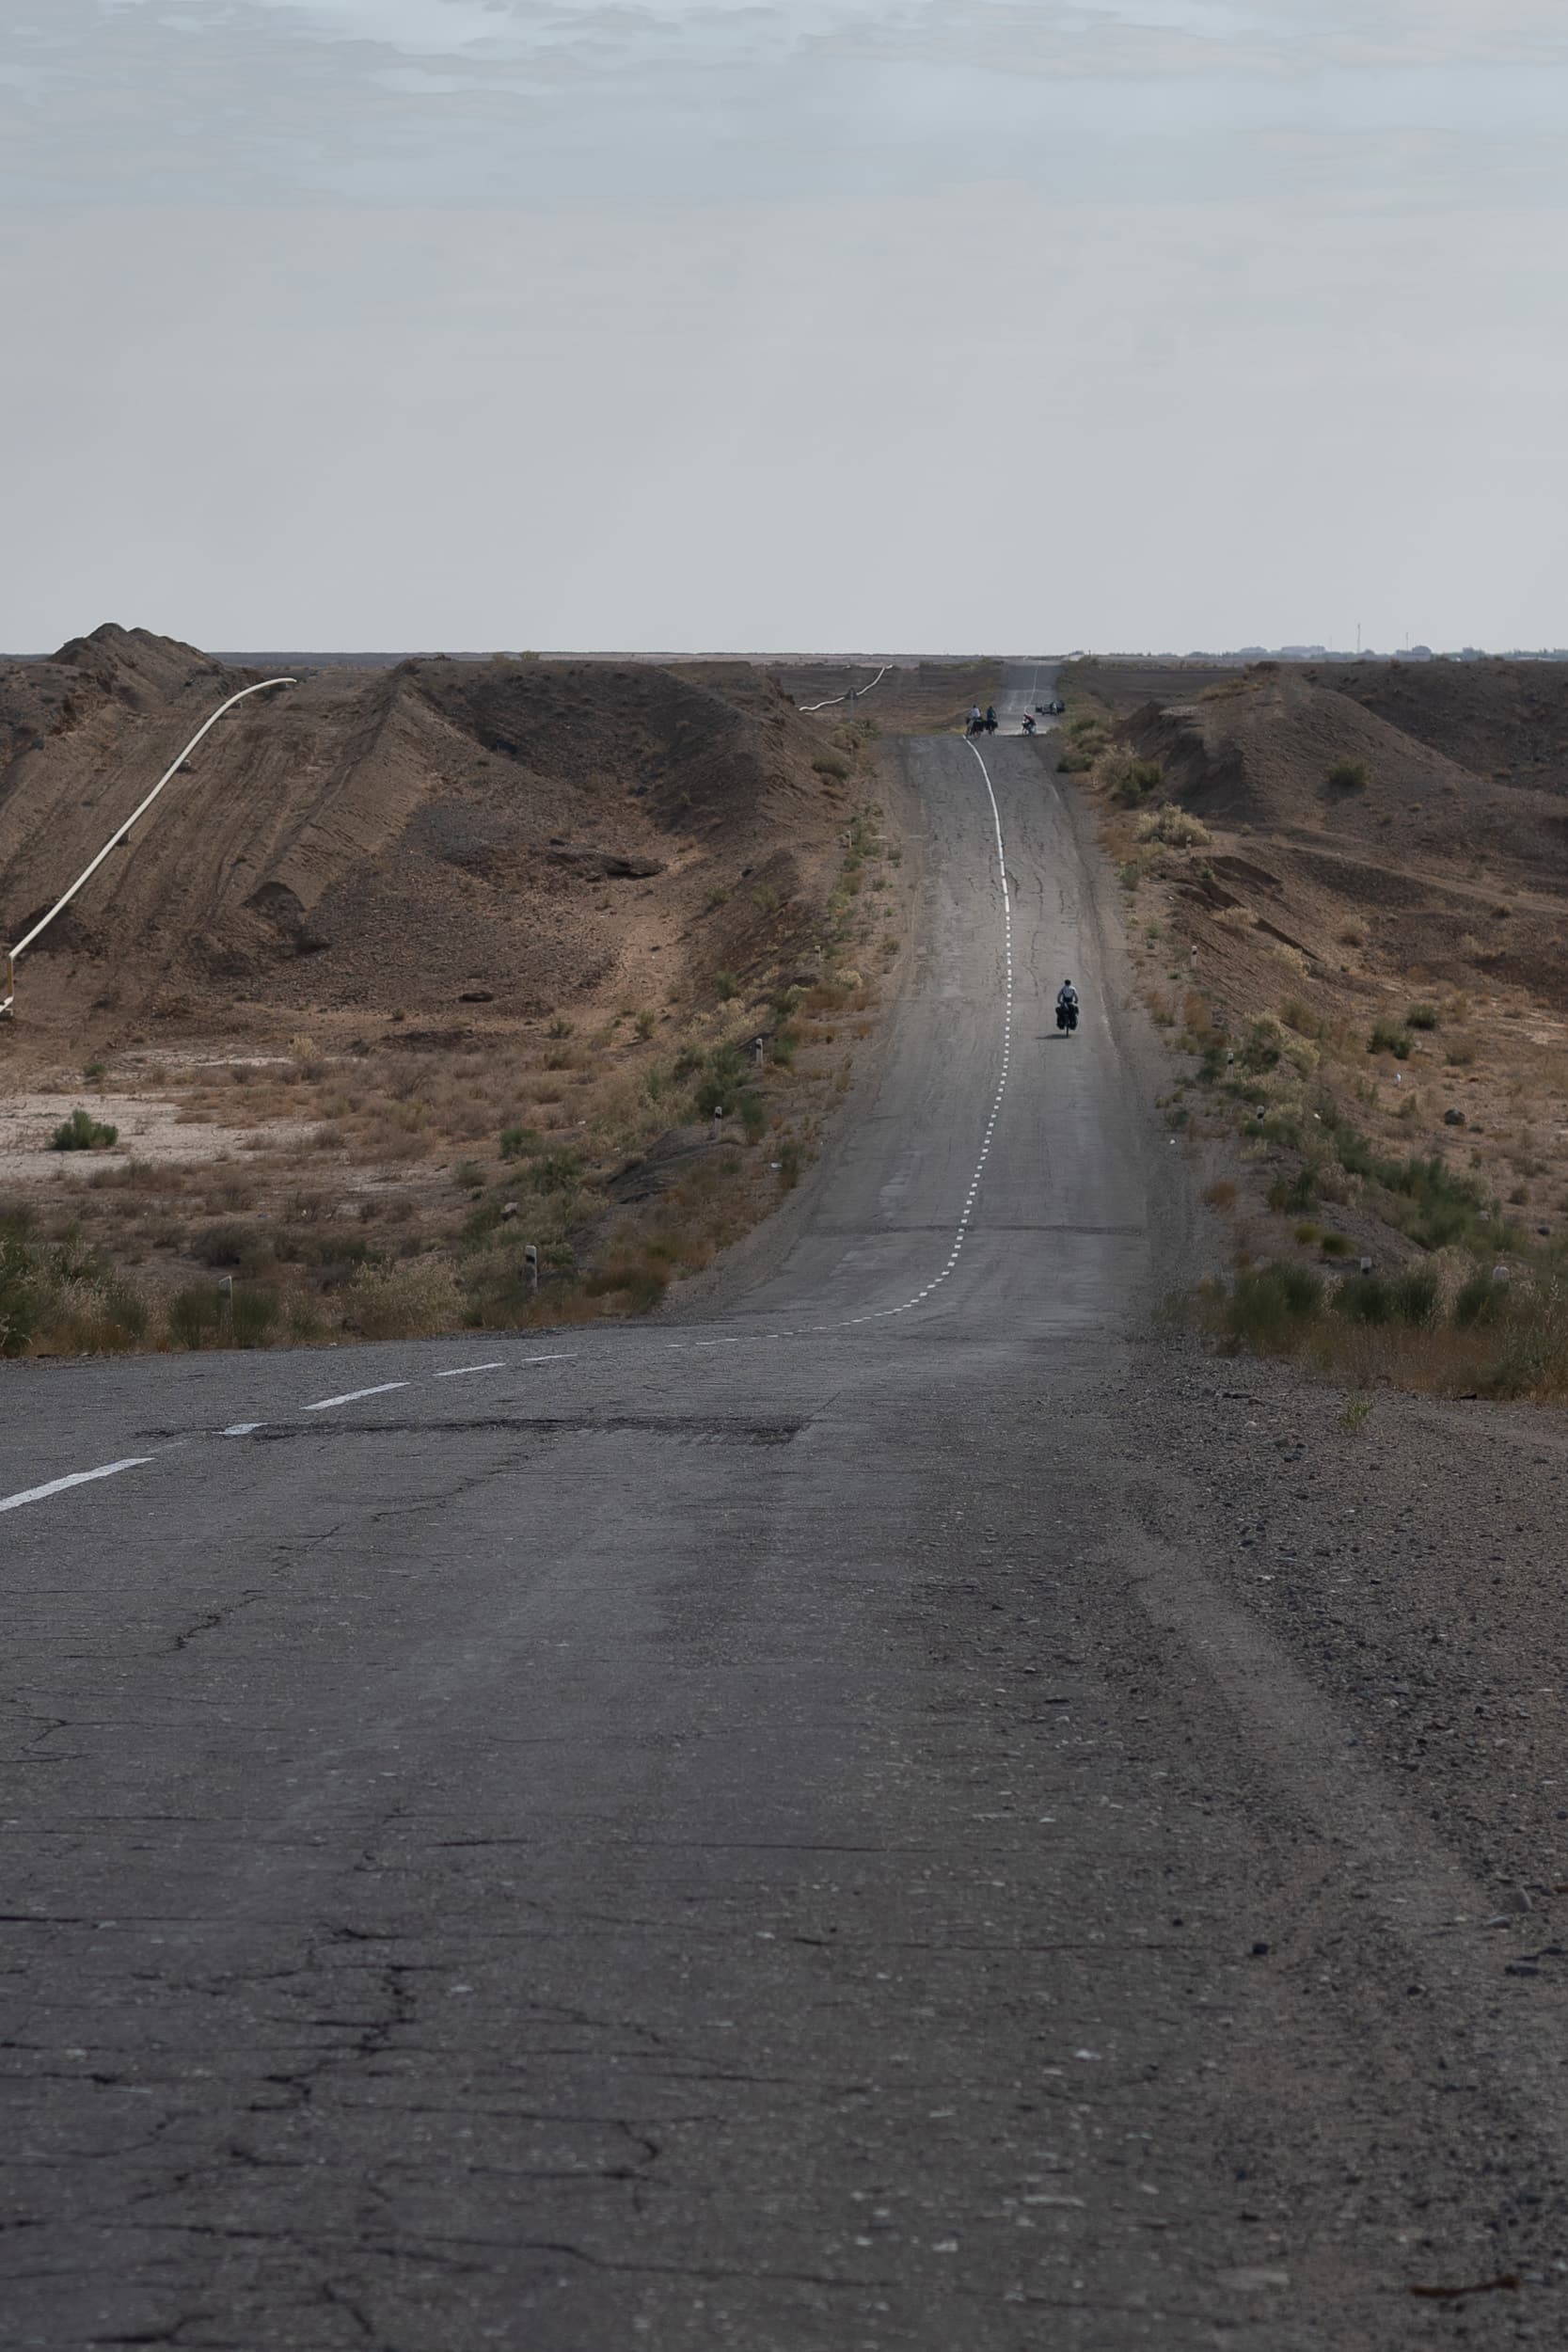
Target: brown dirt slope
{"points": [[1384, 948], [531, 830], [1508, 720], [1260, 753]]}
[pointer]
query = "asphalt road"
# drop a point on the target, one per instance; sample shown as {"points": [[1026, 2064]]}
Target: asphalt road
{"points": [[743, 1833]]}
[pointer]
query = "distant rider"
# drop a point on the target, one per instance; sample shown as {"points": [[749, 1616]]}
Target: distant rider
{"points": [[1067, 997], [991, 718], [975, 722]]}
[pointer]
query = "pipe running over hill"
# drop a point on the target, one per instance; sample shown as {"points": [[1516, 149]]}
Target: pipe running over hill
{"points": [[9, 1000]]}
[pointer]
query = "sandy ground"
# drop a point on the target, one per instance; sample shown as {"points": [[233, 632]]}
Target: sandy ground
{"points": [[152, 1131]]}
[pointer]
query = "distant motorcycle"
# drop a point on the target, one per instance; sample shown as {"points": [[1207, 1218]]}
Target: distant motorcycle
{"points": [[1067, 1018], [1028, 724]]}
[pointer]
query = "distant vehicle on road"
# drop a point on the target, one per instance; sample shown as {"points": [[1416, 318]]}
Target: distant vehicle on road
{"points": [[1050, 710]]}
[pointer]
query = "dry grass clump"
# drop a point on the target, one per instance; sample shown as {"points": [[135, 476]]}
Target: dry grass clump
{"points": [[415, 1300], [1503, 1338], [1176, 828]]}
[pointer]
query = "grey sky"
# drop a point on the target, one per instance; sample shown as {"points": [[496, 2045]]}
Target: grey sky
{"points": [[928, 324]]}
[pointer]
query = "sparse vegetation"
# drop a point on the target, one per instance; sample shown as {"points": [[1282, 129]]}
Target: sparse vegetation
{"points": [[1176, 828], [1387, 1038], [81, 1132], [1349, 776], [1496, 1339]]}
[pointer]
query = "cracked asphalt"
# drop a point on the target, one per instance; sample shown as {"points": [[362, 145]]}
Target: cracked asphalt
{"points": [[780, 1830]]}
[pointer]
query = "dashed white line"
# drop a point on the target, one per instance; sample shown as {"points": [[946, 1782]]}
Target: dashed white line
{"points": [[324, 1403], [77, 1478], [461, 1372], [243, 1428]]}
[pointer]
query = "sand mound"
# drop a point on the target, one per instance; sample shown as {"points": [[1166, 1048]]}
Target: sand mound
{"points": [[1506, 719], [521, 831]]}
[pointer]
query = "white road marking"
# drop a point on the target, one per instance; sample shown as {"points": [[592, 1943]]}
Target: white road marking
{"points": [[77, 1478], [325, 1404], [243, 1428], [461, 1372]]}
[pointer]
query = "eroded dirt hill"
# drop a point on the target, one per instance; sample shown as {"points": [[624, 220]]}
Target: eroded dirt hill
{"points": [[1327, 815], [533, 830]]}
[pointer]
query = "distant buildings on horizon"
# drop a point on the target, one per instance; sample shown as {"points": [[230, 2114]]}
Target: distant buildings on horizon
{"points": [[1324, 653]]}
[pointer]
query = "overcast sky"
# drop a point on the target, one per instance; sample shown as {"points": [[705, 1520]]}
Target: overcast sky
{"points": [[923, 325]]}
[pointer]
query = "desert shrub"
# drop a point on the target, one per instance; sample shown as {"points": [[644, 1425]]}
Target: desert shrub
{"points": [[1335, 1244], [1349, 776], [81, 1132], [1428, 1201], [517, 1143], [754, 1114], [95, 1314], [1266, 1309], [1367, 1299], [418, 1299], [791, 1161], [556, 1171], [1389, 1038], [468, 1175], [725, 985], [1133, 780], [1262, 1045], [723, 1081], [1178, 828], [1221, 1195], [828, 764], [1480, 1300], [195, 1315], [220, 1245], [1413, 1292], [1292, 1194], [642, 1287], [252, 1316], [1301, 1018], [1459, 1053], [23, 1289], [1421, 1017]]}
